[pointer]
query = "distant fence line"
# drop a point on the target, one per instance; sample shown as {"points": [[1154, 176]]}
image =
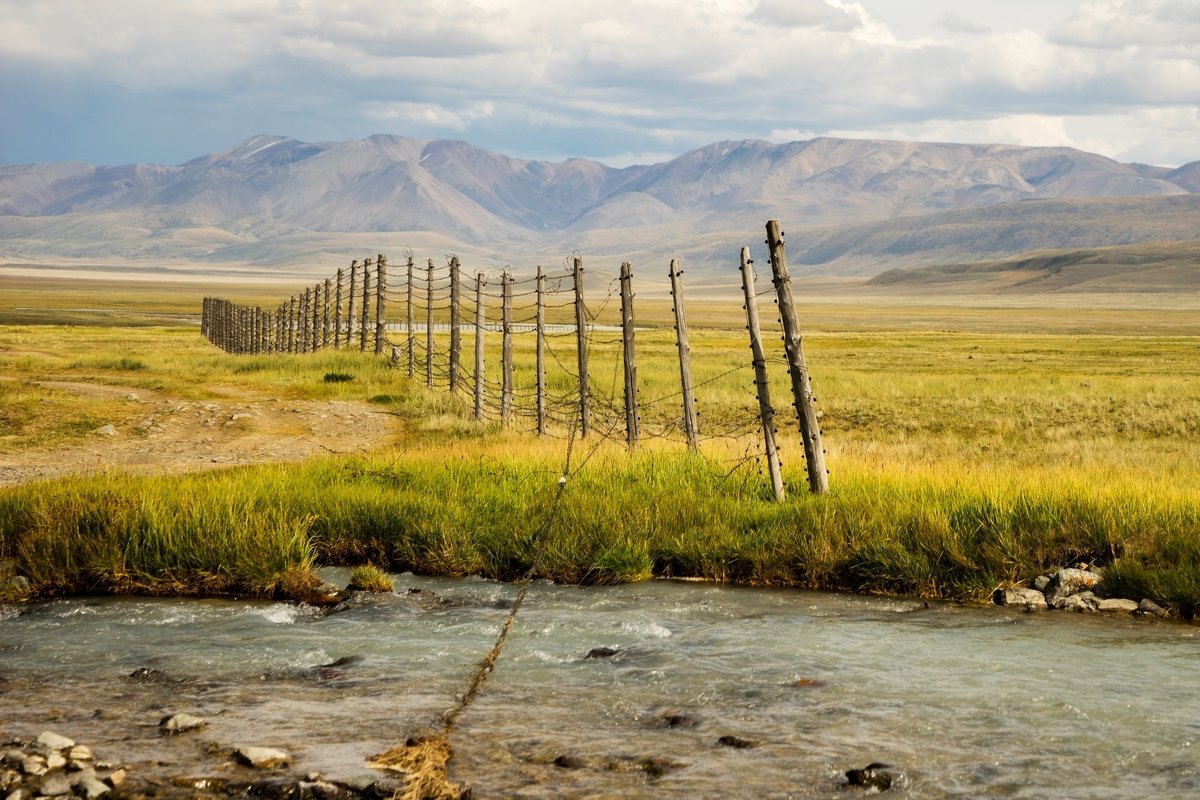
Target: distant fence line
{"points": [[349, 311]]}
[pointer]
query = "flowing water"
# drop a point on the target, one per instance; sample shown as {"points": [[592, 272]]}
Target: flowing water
{"points": [[967, 702]]}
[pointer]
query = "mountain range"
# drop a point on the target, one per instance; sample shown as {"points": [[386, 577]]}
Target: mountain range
{"points": [[852, 207]]}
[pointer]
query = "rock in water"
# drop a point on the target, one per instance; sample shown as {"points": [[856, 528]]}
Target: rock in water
{"points": [[1019, 596], [180, 723], [876, 775], [261, 757], [1067, 582], [601, 652]]}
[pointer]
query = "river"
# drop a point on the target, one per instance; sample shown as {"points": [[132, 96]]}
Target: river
{"points": [[967, 702]]}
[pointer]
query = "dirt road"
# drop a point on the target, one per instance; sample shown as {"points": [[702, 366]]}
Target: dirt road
{"points": [[157, 434]]}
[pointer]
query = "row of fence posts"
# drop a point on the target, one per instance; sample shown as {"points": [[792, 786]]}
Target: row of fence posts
{"points": [[313, 320]]}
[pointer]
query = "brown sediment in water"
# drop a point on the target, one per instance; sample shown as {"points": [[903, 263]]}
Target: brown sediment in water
{"points": [[424, 761]]}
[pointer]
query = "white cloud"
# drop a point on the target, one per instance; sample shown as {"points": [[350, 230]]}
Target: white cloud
{"points": [[432, 114]]}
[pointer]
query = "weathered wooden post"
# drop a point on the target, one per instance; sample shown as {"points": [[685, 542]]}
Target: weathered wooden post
{"points": [[761, 385], [541, 350], [364, 329], [351, 303], [408, 321], [631, 409], [306, 317], [479, 327], [337, 311], [380, 302], [455, 334], [506, 349], [690, 426], [316, 318], [325, 316], [429, 325], [292, 319], [581, 349], [810, 429]]}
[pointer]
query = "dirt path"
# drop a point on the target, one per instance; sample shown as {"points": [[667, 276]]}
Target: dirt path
{"points": [[157, 434]]}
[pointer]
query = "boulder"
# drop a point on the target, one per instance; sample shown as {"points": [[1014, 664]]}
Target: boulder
{"points": [[92, 787], [601, 652], [1067, 582], [261, 757], [1150, 608], [1019, 596], [877, 776], [1084, 601], [1117, 605], [106, 430], [180, 723], [49, 741], [54, 786], [1041, 582]]}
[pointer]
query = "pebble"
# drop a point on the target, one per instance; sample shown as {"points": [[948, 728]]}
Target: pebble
{"points": [[261, 757], [180, 723]]}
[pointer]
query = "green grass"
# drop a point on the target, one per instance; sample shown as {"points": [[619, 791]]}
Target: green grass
{"points": [[968, 449]]}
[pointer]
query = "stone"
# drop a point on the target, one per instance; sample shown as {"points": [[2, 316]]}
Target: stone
{"points": [[1117, 605], [9, 778], [1150, 608], [79, 777], [22, 793], [13, 758], [80, 752], [877, 775], [657, 766], [676, 719], [34, 765], [261, 757], [1084, 601], [55, 760], [106, 430], [1019, 596], [1041, 582], [117, 777], [92, 787], [568, 761], [49, 740], [54, 786], [180, 723], [1067, 582], [736, 742], [601, 652]]}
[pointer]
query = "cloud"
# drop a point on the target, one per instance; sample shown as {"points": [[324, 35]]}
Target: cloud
{"points": [[956, 23], [804, 14], [1116, 24], [432, 114]]}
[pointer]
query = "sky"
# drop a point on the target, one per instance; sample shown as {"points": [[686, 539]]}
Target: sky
{"points": [[620, 81]]}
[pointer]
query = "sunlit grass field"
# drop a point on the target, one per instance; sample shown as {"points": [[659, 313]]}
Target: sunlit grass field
{"points": [[968, 447]]}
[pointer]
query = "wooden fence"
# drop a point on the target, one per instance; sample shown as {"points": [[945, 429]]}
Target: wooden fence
{"points": [[350, 311]]}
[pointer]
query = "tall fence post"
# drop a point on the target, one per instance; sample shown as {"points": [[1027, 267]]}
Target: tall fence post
{"points": [[429, 327], [631, 409], [351, 303], [506, 350], [380, 302], [364, 329], [690, 427], [479, 328], [810, 429], [337, 312], [581, 349], [305, 320], [325, 316], [316, 318], [540, 319], [455, 333], [761, 385], [408, 320], [293, 323]]}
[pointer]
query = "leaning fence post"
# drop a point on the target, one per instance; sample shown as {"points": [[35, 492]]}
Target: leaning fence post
{"points": [[541, 350], [479, 346], [455, 333], [761, 385], [380, 302], [408, 319], [810, 429], [364, 326], [690, 428], [429, 327], [631, 410], [506, 350], [581, 349]]}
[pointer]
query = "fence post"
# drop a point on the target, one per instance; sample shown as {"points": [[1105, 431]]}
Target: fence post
{"points": [[631, 409], [325, 317], [429, 326], [316, 318], [581, 349], [479, 327], [810, 429], [690, 428], [455, 337], [337, 312], [364, 325], [541, 351], [408, 320], [506, 350], [380, 302], [351, 303], [761, 385]]}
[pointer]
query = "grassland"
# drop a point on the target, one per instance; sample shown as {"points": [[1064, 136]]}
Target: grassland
{"points": [[969, 447]]}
